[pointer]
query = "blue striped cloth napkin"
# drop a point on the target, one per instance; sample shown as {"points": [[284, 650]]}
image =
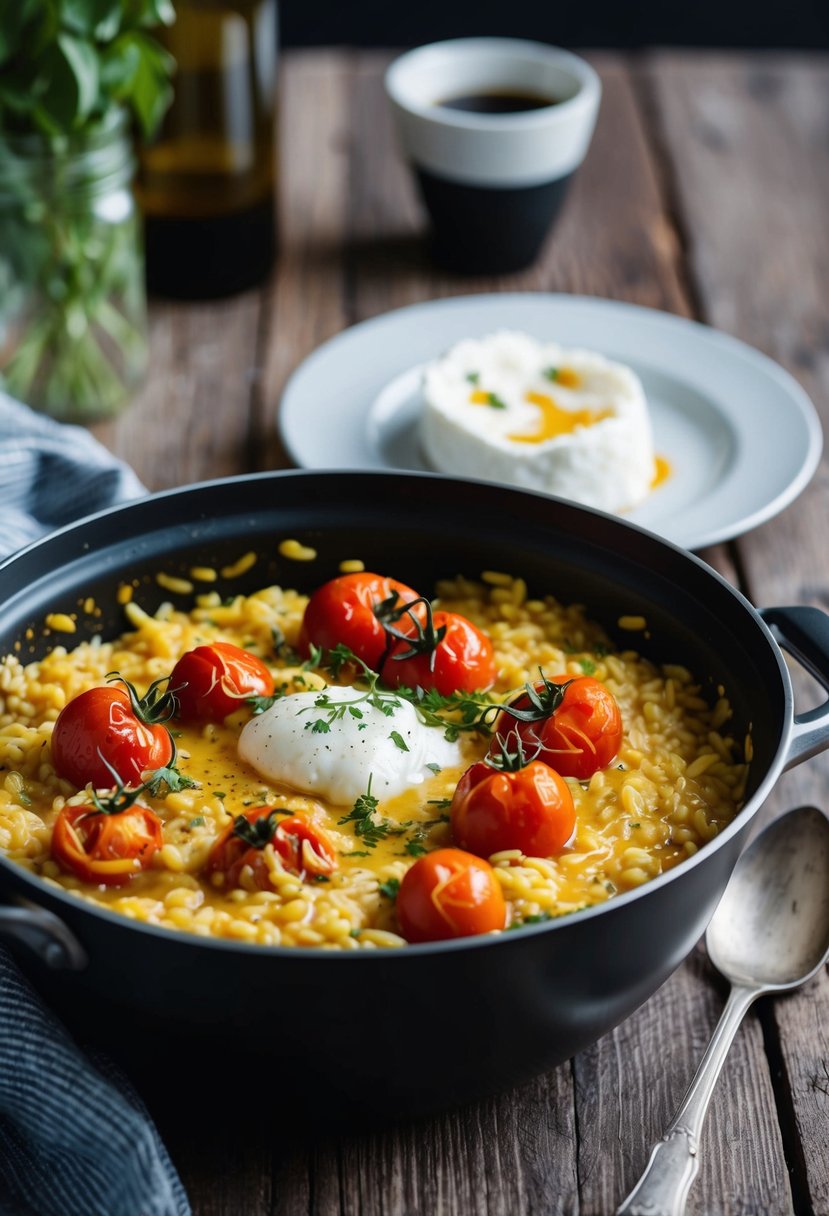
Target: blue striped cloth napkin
{"points": [[75, 1139], [51, 474]]}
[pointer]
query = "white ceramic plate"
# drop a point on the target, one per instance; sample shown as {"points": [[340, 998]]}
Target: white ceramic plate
{"points": [[742, 437]]}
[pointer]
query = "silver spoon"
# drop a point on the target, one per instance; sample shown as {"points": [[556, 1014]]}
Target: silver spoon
{"points": [[769, 934]]}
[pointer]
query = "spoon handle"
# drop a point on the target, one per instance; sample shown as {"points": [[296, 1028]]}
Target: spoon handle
{"points": [[663, 1188]]}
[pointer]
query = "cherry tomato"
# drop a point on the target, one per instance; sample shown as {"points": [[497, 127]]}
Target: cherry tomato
{"points": [[449, 893], [109, 732], [530, 809], [579, 736], [342, 610], [213, 681], [454, 657], [303, 848], [106, 846]]}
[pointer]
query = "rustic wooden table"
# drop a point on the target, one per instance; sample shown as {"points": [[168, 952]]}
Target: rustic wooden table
{"points": [[705, 193]]}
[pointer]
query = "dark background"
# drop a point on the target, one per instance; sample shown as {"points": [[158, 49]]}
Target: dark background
{"points": [[802, 24]]}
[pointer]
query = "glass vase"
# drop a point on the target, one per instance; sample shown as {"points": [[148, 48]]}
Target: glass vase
{"points": [[73, 330]]}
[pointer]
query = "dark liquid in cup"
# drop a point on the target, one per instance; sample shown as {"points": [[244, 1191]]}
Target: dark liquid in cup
{"points": [[506, 101]]}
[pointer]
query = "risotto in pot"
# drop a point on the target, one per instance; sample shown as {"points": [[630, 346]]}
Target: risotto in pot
{"points": [[365, 768]]}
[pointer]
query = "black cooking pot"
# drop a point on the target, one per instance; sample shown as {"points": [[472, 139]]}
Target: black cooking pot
{"points": [[430, 1025]]}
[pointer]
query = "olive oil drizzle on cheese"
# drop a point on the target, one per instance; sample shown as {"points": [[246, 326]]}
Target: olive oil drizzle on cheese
{"points": [[554, 421]]}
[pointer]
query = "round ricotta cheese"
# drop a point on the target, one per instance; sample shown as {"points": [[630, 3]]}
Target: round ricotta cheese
{"points": [[568, 422]]}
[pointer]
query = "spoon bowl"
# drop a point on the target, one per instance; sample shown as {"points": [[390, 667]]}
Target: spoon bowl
{"points": [[771, 926], [769, 934]]}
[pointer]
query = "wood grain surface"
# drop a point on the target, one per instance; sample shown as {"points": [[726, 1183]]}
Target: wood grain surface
{"points": [[705, 193]]}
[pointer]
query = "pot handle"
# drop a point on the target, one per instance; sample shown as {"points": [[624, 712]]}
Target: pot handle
{"points": [[45, 934], [803, 633]]}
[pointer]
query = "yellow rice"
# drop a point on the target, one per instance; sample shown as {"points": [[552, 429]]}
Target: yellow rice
{"points": [[678, 780]]}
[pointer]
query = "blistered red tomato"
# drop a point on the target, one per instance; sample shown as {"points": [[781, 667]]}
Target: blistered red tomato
{"points": [[448, 653], [349, 610], [109, 735], [215, 680], [578, 729], [304, 849], [530, 809], [106, 846], [447, 894]]}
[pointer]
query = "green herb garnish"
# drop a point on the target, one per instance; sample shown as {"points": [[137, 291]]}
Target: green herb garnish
{"points": [[72, 74], [171, 778], [369, 828]]}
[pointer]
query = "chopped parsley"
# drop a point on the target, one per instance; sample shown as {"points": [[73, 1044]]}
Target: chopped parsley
{"points": [[473, 377], [389, 888], [314, 658], [587, 666], [398, 741], [369, 827], [258, 705], [171, 778], [550, 373], [495, 402]]}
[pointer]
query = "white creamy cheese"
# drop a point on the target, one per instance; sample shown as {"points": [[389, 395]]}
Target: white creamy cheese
{"points": [[336, 764], [511, 409]]}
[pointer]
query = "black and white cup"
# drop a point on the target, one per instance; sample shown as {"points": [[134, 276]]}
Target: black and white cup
{"points": [[492, 183]]}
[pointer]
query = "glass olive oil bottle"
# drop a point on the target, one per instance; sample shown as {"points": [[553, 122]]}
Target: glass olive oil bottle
{"points": [[206, 184]]}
